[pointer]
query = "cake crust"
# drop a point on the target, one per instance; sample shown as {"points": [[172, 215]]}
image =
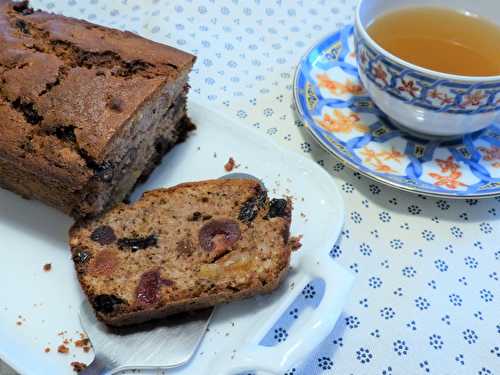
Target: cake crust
{"points": [[72, 97]]}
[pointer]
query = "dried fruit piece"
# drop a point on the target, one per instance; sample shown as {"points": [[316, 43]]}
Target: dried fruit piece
{"points": [[65, 133], [22, 26], [104, 263], [28, 110], [277, 208], [248, 211], [261, 198], [81, 257], [105, 171], [104, 235], [23, 8], [210, 271], [195, 216], [106, 303], [148, 288], [137, 243], [250, 208], [219, 234]]}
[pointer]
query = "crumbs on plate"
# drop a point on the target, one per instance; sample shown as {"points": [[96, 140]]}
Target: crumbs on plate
{"points": [[20, 320], [78, 366], [229, 166], [84, 343], [295, 242], [63, 349]]}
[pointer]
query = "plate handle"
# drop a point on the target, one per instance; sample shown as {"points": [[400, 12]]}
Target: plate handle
{"points": [[302, 341]]}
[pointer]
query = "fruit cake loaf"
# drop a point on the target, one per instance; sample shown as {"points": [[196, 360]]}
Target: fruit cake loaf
{"points": [[85, 110], [183, 248]]}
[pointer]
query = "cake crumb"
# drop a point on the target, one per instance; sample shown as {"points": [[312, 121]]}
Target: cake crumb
{"points": [[78, 366], [63, 349], [295, 242], [84, 343], [46, 350], [229, 166], [19, 323], [47, 267]]}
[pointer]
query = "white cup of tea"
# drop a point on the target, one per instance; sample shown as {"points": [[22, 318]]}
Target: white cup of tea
{"points": [[425, 101]]}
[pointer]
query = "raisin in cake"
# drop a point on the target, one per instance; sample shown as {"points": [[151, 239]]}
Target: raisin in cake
{"points": [[86, 111], [187, 247]]}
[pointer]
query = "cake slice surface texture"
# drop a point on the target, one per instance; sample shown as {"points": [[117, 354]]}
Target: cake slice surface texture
{"points": [[183, 248]]}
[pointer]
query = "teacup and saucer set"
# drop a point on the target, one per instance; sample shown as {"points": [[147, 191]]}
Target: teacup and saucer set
{"points": [[406, 126]]}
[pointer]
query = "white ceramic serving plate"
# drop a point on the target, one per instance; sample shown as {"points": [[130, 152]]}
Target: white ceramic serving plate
{"points": [[46, 303]]}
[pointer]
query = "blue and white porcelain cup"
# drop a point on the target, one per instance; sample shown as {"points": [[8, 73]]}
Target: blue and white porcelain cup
{"points": [[423, 101]]}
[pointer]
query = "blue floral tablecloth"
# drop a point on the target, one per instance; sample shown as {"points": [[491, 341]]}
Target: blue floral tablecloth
{"points": [[427, 293]]}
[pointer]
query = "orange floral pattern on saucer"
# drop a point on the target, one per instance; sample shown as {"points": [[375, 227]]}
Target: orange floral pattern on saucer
{"points": [[338, 88], [340, 123], [491, 154], [377, 158], [451, 180], [341, 116]]}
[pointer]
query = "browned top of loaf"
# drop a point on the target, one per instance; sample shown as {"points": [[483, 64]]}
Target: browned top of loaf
{"points": [[197, 239], [67, 87]]}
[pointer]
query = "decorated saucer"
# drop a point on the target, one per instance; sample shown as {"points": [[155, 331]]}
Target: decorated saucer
{"points": [[344, 120]]}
